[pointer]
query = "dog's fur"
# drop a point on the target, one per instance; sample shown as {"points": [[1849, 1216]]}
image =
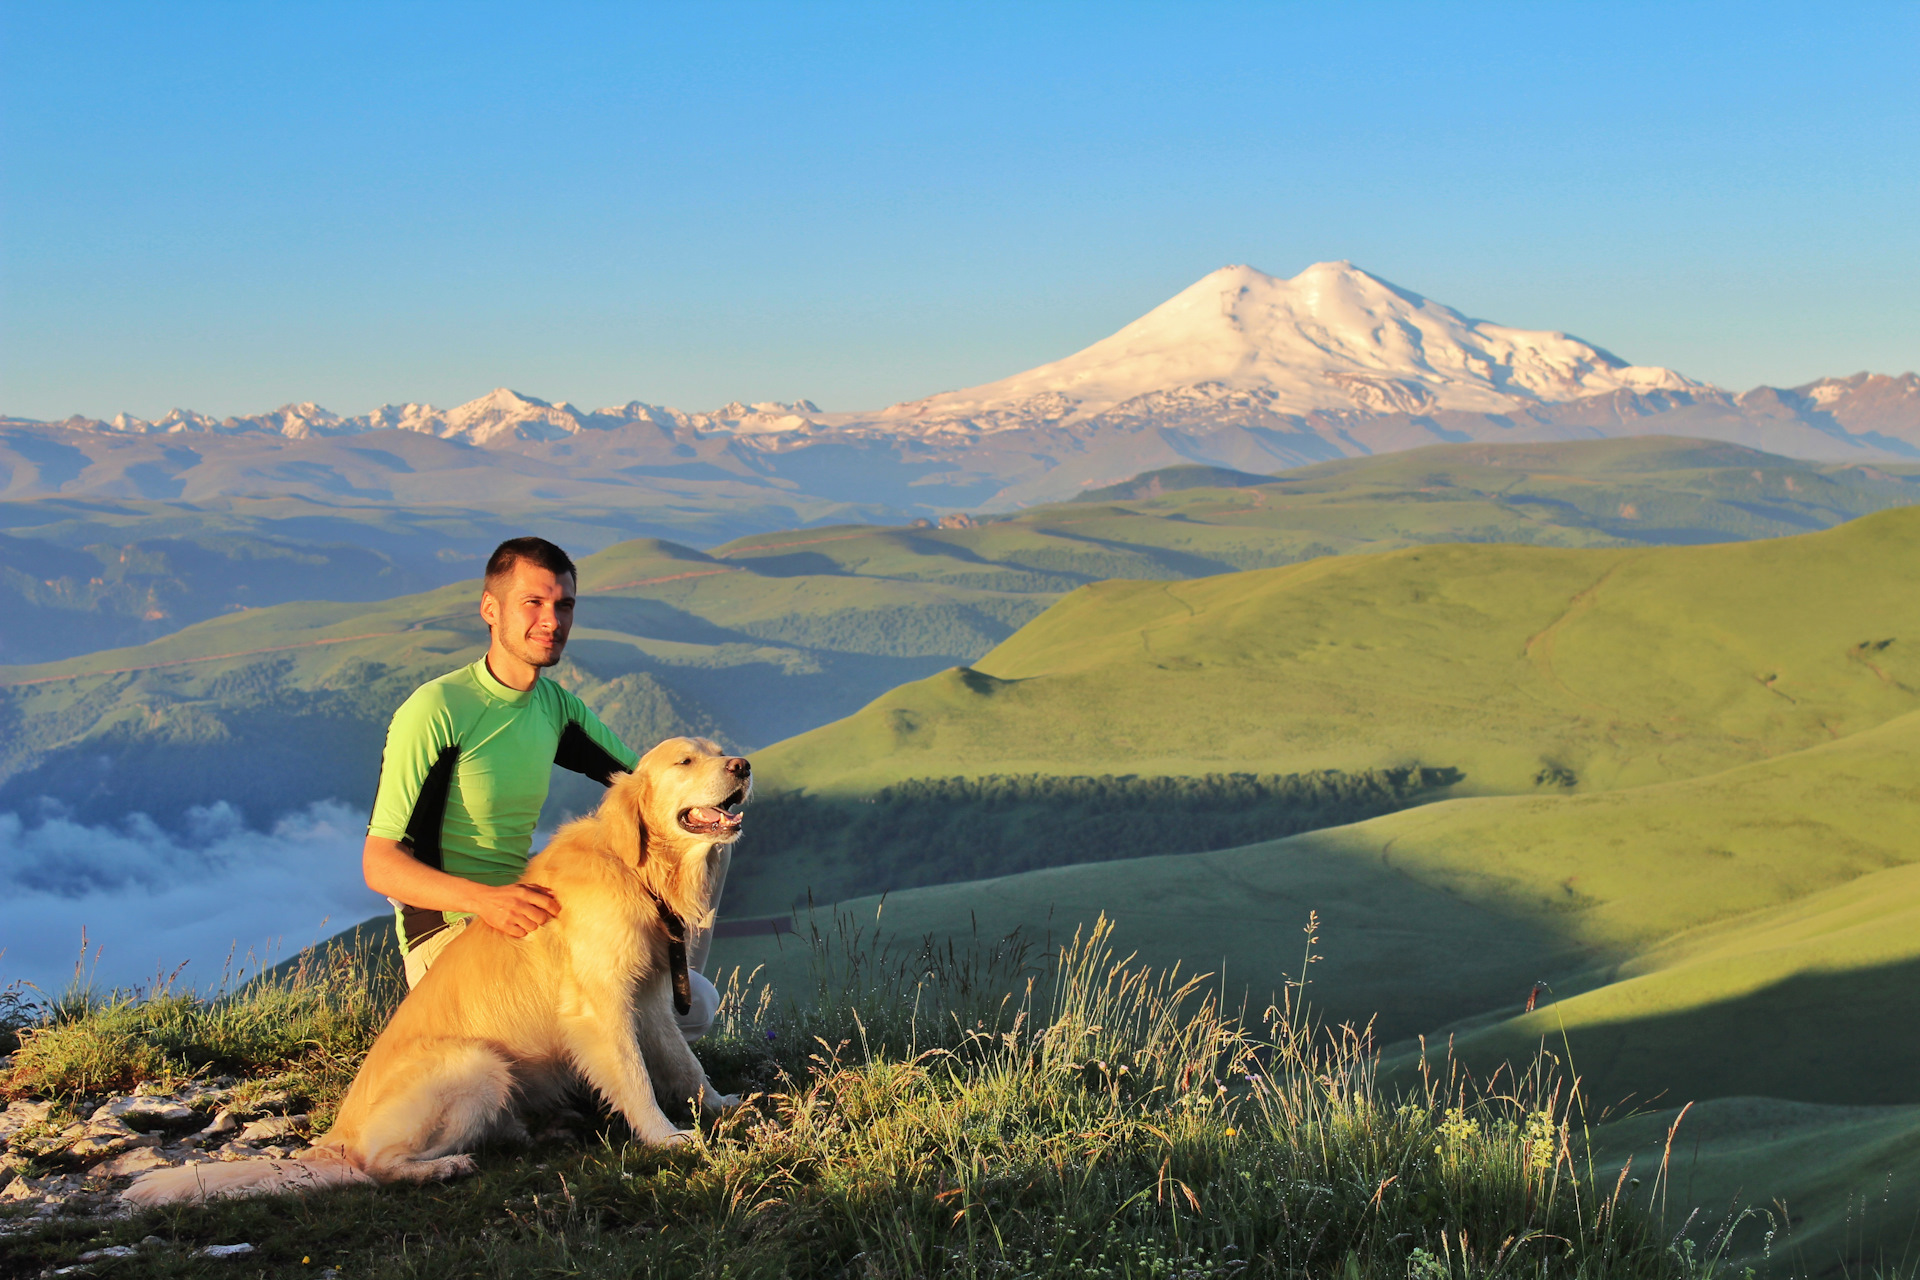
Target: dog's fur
{"points": [[499, 1022]]}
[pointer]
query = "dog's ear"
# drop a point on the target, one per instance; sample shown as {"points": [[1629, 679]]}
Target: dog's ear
{"points": [[623, 820]]}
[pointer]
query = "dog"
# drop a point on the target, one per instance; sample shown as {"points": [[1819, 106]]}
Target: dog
{"points": [[500, 1024]]}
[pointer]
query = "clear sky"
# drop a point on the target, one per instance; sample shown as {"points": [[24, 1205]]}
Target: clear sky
{"points": [[228, 207]]}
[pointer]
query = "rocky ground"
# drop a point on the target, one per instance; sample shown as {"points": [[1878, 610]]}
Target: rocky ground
{"points": [[74, 1158]]}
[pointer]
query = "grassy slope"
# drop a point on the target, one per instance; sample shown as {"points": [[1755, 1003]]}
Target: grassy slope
{"points": [[1650, 900], [1750, 938], [1747, 935], [1623, 667], [77, 576], [1842, 1183], [1649, 491], [820, 621], [274, 707]]}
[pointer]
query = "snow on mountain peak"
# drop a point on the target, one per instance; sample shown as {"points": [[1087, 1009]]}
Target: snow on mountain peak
{"points": [[1333, 337]]}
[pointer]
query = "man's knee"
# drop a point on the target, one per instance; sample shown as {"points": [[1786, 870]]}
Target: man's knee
{"points": [[698, 1019]]}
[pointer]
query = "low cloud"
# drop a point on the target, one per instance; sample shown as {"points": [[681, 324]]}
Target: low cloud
{"points": [[150, 899]]}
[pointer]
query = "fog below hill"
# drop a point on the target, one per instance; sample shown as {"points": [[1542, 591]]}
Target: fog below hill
{"points": [[148, 900]]}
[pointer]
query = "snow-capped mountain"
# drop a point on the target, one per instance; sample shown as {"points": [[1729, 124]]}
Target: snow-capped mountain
{"points": [[1241, 369], [1333, 338], [502, 416]]}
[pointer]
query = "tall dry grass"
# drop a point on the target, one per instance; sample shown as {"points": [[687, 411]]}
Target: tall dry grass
{"points": [[933, 1110]]}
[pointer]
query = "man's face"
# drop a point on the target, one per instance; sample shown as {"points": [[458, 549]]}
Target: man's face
{"points": [[532, 614]]}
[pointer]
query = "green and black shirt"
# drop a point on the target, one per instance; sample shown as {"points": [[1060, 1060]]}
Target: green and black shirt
{"points": [[465, 773]]}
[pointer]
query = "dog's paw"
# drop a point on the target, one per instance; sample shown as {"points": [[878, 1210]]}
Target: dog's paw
{"points": [[450, 1167], [676, 1138]]}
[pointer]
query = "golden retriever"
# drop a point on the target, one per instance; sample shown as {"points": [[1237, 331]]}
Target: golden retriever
{"points": [[499, 1020]]}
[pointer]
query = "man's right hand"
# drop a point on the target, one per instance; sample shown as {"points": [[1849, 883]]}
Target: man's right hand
{"points": [[515, 909]]}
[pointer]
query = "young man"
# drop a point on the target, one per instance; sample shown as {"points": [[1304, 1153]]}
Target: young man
{"points": [[466, 768]]}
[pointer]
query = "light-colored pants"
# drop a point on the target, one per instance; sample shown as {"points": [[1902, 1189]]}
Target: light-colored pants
{"points": [[693, 1024]]}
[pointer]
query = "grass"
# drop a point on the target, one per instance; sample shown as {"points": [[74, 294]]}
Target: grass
{"points": [[306, 1026], [948, 830], [1022, 1115], [767, 636], [1751, 932], [1528, 668]]}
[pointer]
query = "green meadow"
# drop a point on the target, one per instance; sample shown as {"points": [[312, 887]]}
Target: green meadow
{"points": [[1684, 830], [1607, 752], [1526, 668], [759, 639]]}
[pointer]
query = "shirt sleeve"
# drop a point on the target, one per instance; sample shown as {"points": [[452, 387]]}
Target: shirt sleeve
{"points": [[420, 730], [576, 717]]}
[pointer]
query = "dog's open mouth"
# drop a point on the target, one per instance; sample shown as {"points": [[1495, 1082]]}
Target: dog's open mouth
{"points": [[723, 820]]}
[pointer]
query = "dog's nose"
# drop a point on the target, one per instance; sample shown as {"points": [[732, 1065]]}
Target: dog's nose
{"points": [[738, 766]]}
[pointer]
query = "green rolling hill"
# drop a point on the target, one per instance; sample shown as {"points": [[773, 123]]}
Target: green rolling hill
{"points": [[1649, 491], [1526, 668], [1708, 857], [766, 636], [272, 708], [80, 575], [1748, 940], [1675, 783]]}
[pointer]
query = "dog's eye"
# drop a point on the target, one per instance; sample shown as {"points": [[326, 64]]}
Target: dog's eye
{"points": [[687, 761]]}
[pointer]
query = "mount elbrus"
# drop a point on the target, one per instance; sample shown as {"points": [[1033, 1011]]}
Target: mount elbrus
{"points": [[1241, 369]]}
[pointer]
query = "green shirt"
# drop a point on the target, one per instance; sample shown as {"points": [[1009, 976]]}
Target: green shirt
{"points": [[489, 750]]}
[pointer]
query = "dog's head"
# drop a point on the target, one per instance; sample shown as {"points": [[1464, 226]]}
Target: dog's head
{"points": [[684, 795]]}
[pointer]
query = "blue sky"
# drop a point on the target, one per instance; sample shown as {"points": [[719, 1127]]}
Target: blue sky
{"points": [[227, 207]]}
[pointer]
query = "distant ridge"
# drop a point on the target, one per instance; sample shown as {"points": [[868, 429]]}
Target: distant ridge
{"points": [[1151, 484], [1241, 370]]}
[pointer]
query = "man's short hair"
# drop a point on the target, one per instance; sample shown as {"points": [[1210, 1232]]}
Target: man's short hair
{"points": [[536, 551]]}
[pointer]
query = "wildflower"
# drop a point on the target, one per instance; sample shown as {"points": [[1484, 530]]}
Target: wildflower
{"points": [[1231, 1131], [1539, 1138], [770, 1035]]}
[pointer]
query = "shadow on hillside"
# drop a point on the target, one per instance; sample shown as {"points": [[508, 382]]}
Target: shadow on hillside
{"points": [[1846, 1037]]}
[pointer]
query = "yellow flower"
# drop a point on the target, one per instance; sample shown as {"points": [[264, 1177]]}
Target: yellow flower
{"points": [[1231, 1132]]}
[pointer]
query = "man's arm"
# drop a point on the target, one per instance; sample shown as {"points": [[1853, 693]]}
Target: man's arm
{"points": [[514, 909], [586, 745]]}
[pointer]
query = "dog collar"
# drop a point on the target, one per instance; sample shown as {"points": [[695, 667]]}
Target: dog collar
{"points": [[676, 930]]}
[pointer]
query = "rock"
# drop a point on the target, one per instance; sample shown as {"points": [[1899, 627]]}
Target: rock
{"points": [[274, 1128], [236, 1150], [223, 1124], [20, 1115], [223, 1251], [147, 1113], [277, 1103], [45, 1144], [129, 1163], [106, 1138], [21, 1188], [111, 1251]]}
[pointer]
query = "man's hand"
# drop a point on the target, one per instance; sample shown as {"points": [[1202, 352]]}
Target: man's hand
{"points": [[515, 909]]}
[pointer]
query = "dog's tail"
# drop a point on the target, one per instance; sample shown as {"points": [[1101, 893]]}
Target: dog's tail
{"points": [[212, 1180]]}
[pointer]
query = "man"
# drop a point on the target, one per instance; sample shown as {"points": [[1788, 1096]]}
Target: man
{"points": [[466, 768]]}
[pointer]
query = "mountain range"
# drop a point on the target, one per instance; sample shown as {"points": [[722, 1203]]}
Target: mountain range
{"points": [[1241, 369]]}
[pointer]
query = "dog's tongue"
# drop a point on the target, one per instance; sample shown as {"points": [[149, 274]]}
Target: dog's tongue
{"points": [[706, 817]]}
